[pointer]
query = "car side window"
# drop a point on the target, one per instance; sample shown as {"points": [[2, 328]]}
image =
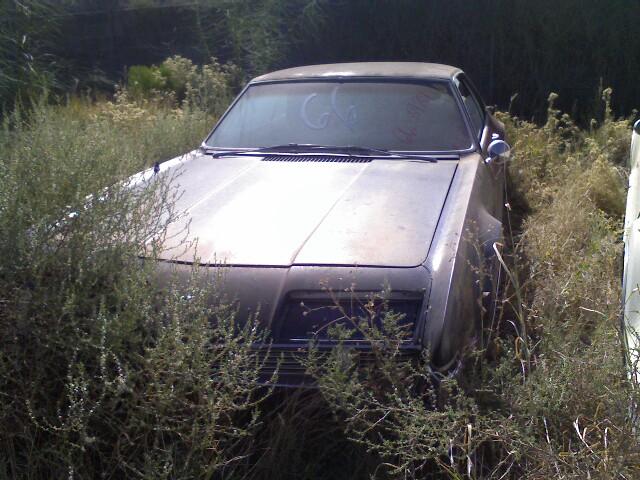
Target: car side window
{"points": [[472, 105]]}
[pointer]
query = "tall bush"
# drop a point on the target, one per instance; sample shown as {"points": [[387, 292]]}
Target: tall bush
{"points": [[103, 372], [209, 88]]}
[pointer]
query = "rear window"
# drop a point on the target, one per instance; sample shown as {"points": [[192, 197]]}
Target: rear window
{"points": [[386, 115]]}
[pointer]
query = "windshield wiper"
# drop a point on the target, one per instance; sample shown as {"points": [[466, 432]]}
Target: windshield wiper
{"points": [[347, 150]]}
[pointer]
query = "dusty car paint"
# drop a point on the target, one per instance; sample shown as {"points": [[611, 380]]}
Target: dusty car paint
{"points": [[379, 213], [282, 230]]}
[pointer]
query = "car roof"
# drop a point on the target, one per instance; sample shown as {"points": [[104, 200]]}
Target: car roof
{"points": [[363, 69]]}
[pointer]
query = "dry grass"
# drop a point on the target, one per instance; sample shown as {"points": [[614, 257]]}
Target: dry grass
{"points": [[101, 377]]}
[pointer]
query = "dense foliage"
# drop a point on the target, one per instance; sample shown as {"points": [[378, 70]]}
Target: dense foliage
{"points": [[508, 47], [28, 65]]}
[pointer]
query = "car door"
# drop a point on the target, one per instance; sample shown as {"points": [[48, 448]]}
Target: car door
{"points": [[631, 271]]}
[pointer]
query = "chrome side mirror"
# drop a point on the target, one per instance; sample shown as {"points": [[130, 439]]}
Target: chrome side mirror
{"points": [[636, 127], [498, 149]]}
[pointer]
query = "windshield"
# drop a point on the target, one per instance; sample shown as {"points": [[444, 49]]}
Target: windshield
{"points": [[386, 115]]}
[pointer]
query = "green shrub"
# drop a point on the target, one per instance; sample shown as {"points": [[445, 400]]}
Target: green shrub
{"points": [[144, 81], [209, 88]]}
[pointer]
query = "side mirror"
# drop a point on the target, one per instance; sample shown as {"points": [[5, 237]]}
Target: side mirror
{"points": [[498, 149], [636, 127]]}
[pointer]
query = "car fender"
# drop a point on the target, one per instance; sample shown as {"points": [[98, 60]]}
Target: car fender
{"points": [[463, 248]]}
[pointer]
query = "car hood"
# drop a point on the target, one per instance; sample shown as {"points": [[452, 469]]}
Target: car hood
{"points": [[282, 211]]}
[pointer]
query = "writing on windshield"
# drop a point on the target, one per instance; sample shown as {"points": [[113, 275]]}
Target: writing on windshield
{"points": [[349, 118]]}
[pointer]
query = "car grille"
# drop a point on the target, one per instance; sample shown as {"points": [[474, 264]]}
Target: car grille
{"points": [[307, 319], [315, 158], [289, 362]]}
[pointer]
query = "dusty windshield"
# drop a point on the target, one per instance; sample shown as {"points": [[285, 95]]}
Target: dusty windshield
{"points": [[386, 115]]}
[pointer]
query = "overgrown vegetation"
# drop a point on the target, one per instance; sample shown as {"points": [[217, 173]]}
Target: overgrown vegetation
{"points": [[209, 88], [99, 373], [102, 374], [28, 31]]}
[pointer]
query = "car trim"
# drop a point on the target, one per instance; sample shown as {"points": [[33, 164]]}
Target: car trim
{"points": [[467, 117], [474, 147]]}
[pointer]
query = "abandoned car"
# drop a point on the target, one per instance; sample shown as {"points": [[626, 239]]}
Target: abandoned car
{"points": [[323, 186]]}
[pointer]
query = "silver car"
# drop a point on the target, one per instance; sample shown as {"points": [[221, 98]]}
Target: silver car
{"points": [[323, 186]]}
